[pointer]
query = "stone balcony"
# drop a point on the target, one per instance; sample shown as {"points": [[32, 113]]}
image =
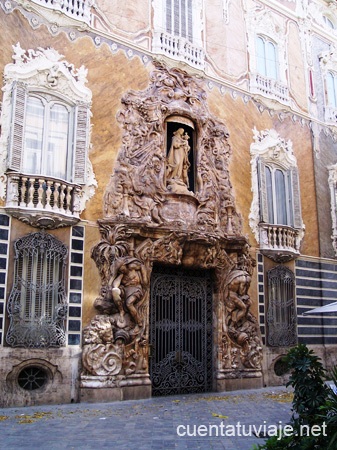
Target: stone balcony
{"points": [[268, 87], [178, 48], [76, 9], [280, 243], [43, 202]]}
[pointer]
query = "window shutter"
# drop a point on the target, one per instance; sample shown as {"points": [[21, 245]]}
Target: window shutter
{"points": [[190, 20], [17, 129], [296, 198], [169, 16], [177, 17], [81, 143], [263, 199]]}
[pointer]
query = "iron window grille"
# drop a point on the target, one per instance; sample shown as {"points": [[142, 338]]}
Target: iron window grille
{"points": [[37, 305]]}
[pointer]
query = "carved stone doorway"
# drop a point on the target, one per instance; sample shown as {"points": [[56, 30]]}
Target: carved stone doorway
{"points": [[180, 331]]}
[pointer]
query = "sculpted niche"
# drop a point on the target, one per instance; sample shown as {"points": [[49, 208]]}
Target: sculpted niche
{"points": [[152, 180], [169, 201]]}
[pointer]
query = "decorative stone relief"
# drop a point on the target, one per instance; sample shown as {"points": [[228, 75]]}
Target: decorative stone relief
{"points": [[116, 340], [328, 60], [316, 13], [241, 341], [154, 213], [333, 196], [152, 187]]}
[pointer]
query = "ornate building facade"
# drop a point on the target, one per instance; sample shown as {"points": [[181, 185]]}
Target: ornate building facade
{"points": [[167, 195]]}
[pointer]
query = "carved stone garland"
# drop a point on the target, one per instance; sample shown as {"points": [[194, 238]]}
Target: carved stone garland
{"points": [[152, 215]]}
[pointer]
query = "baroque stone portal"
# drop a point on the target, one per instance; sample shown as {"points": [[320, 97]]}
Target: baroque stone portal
{"points": [[169, 201]]}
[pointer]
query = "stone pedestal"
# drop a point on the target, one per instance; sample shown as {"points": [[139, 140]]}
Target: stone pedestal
{"points": [[96, 389], [234, 384], [180, 208]]}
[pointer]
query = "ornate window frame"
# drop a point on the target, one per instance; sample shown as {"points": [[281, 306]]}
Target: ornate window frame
{"points": [[261, 22], [324, 16], [328, 65], [333, 196], [39, 199], [280, 242]]}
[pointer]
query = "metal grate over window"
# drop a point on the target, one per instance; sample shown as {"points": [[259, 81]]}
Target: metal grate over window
{"points": [[37, 305], [281, 315], [32, 378]]}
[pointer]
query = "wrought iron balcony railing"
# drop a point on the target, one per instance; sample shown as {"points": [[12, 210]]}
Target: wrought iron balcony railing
{"points": [[77, 9], [179, 48], [269, 87], [42, 201], [279, 242]]}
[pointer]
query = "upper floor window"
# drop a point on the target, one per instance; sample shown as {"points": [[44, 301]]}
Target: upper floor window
{"points": [[278, 193], [45, 138], [178, 30], [179, 18], [267, 51], [275, 216], [37, 303], [266, 54], [331, 87]]}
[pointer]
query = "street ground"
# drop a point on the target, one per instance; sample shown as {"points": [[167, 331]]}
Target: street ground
{"points": [[223, 420]]}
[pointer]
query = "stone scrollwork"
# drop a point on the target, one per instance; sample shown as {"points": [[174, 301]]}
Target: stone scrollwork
{"points": [[100, 355]]}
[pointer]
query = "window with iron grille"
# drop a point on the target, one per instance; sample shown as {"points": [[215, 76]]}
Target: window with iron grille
{"points": [[37, 305], [281, 313]]}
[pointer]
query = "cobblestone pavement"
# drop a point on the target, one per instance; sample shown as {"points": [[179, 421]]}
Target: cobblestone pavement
{"points": [[148, 424]]}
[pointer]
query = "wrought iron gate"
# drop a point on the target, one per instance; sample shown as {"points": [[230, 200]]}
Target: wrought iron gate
{"points": [[180, 331]]}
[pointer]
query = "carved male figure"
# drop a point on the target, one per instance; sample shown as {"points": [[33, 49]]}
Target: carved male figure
{"points": [[128, 281], [238, 300]]}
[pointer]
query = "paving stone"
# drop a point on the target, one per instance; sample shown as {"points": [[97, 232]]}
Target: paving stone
{"points": [[146, 424]]}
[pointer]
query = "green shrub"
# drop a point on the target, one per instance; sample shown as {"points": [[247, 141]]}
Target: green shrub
{"points": [[307, 379], [313, 404]]}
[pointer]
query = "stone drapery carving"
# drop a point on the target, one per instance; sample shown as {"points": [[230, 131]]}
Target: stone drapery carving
{"points": [[147, 181]]}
